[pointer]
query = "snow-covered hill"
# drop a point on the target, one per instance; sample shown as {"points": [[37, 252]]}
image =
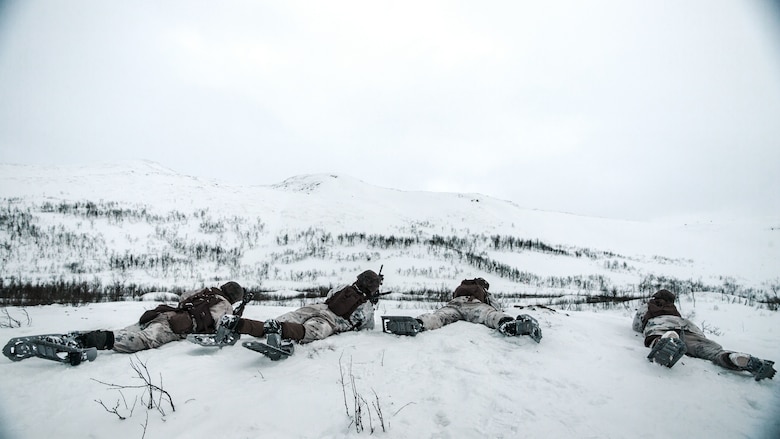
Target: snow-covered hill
{"points": [[588, 378], [139, 223]]}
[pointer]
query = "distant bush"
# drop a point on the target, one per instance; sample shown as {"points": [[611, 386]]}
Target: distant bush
{"points": [[14, 292]]}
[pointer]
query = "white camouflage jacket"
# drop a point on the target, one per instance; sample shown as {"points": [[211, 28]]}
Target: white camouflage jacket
{"points": [[661, 324]]}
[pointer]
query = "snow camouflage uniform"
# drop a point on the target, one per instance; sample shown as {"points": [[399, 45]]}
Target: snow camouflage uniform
{"points": [[165, 324], [659, 316], [471, 302], [347, 309]]}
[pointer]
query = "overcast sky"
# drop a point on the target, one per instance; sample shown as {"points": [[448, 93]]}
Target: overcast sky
{"points": [[625, 109]]}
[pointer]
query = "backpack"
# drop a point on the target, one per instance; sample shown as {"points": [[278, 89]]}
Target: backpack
{"points": [[196, 310], [345, 301], [475, 288]]}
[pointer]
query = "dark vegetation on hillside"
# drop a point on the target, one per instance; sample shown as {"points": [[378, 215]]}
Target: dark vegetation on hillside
{"points": [[67, 257]]}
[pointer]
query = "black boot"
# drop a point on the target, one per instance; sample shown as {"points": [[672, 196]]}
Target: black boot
{"points": [[522, 325], [272, 326], [101, 340], [506, 326]]}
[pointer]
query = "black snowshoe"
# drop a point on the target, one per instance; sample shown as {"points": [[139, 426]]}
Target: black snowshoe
{"points": [[761, 368], [401, 325], [64, 348], [522, 325], [225, 335], [275, 348], [667, 351], [220, 339]]}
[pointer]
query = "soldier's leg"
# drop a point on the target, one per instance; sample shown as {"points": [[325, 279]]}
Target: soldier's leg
{"points": [[441, 317], [302, 314], [307, 324], [478, 312], [136, 338], [256, 328], [316, 328], [709, 350], [704, 348]]}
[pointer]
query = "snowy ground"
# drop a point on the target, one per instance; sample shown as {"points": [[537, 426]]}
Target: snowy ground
{"points": [[587, 379]]}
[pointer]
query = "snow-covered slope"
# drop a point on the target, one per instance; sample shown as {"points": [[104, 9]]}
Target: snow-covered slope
{"points": [[588, 378], [287, 231]]}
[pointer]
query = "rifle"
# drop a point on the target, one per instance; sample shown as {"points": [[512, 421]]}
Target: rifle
{"points": [[374, 298], [240, 309]]}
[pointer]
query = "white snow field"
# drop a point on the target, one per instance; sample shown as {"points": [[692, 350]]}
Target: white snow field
{"points": [[588, 378]]}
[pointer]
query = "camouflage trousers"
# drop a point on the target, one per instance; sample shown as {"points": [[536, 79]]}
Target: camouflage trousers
{"points": [[700, 346], [313, 322], [137, 337], [318, 322], [463, 308]]}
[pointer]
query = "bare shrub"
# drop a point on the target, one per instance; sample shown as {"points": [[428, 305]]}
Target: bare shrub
{"points": [[10, 322], [361, 409], [152, 396]]}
